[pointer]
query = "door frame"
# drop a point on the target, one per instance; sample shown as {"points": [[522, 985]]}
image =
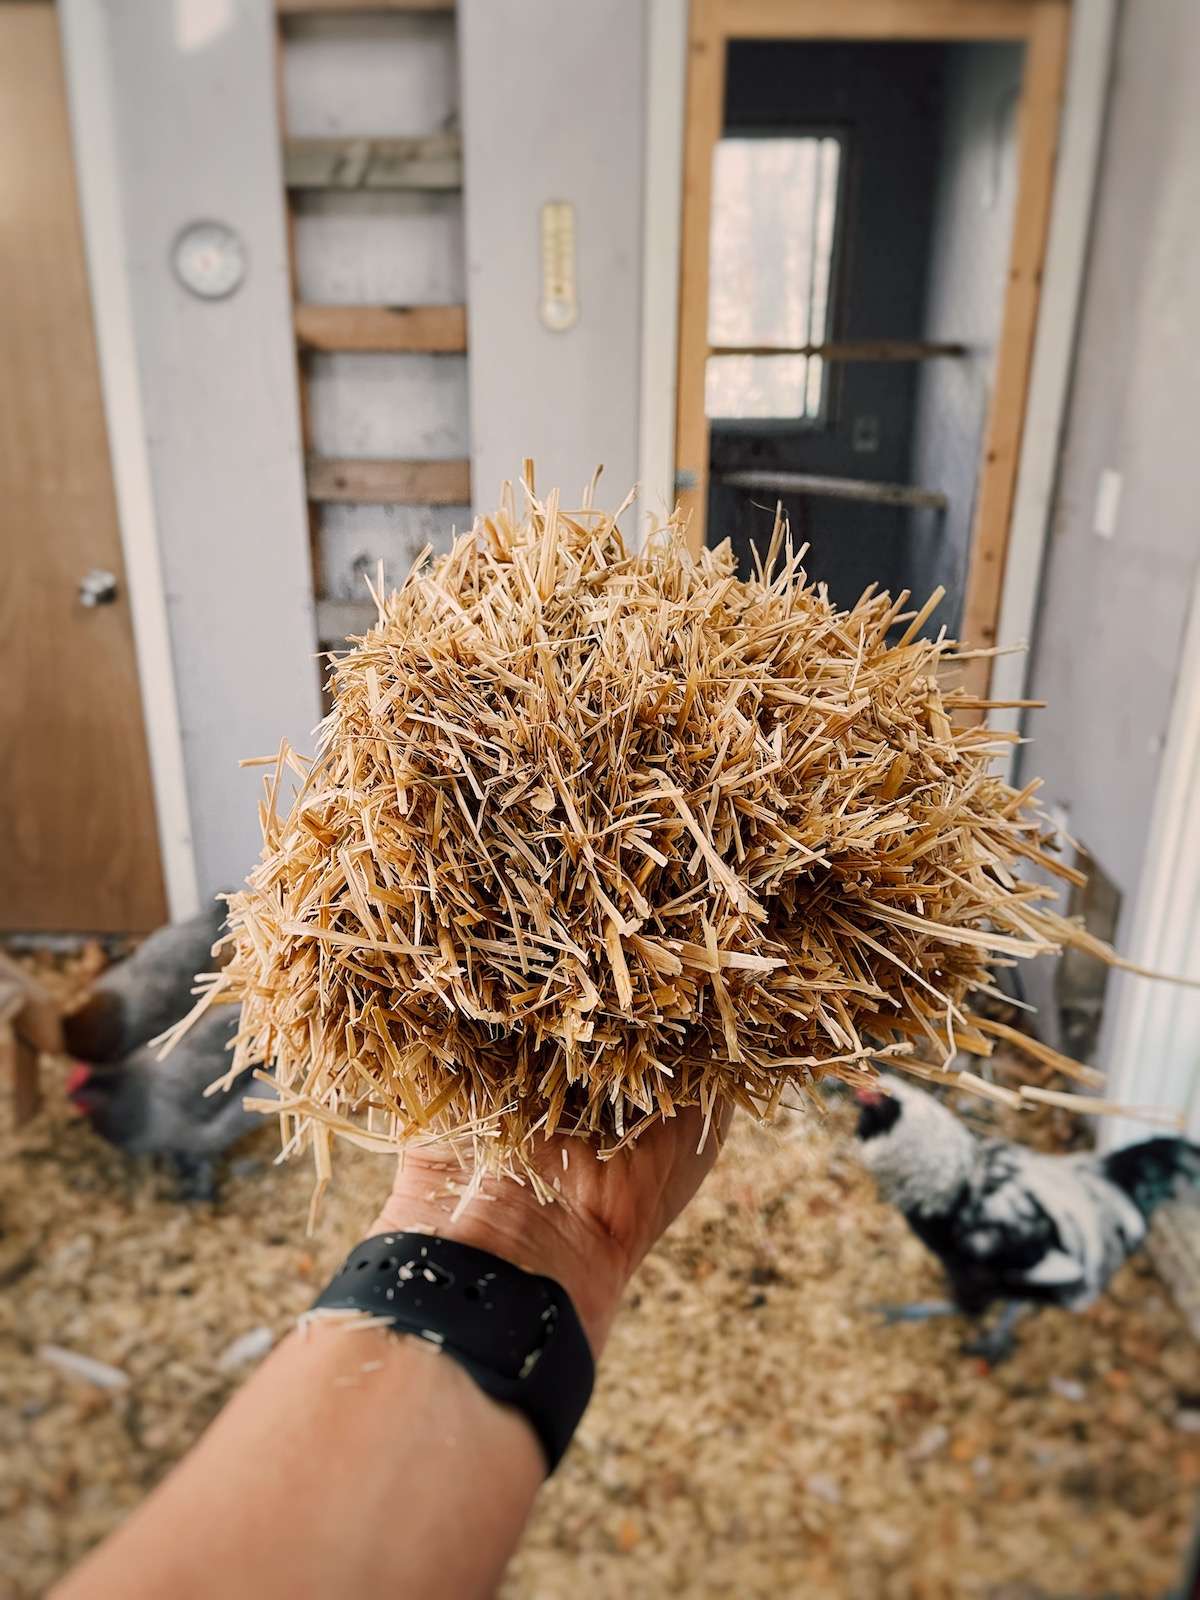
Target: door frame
{"points": [[1044, 27], [97, 174], [210, 475]]}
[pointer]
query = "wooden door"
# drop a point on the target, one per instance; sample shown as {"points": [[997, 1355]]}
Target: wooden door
{"points": [[78, 840], [1041, 26]]}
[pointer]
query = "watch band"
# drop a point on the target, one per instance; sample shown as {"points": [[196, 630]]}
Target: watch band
{"points": [[515, 1333]]}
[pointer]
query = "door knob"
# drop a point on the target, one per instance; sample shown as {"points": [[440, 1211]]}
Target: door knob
{"points": [[97, 588]]}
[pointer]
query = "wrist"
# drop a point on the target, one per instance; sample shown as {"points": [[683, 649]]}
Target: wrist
{"points": [[507, 1220]]}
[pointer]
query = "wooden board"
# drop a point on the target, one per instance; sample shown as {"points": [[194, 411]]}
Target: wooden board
{"points": [[373, 482], [864, 490], [311, 8], [851, 350], [873, 19], [1037, 137], [76, 807], [434, 163], [431, 329], [29, 1025], [303, 406], [29, 1007], [702, 129]]}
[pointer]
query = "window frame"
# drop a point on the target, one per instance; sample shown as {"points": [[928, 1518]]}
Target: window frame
{"points": [[831, 378]]}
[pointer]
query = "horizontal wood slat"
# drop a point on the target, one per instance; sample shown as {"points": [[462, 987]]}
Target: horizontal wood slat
{"points": [[850, 350], [441, 330], [378, 483], [316, 8], [881, 494], [875, 19], [433, 163]]}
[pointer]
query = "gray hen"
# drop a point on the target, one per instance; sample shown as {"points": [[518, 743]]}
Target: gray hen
{"points": [[140, 1104], [144, 995], [145, 1106]]}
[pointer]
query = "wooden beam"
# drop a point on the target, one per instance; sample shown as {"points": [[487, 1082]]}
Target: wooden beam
{"points": [[28, 1004], [850, 350], [29, 1025], [813, 483], [312, 512], [441, 330], [338, 619], [378, 483], [1037, 142], [27, 1087], [875, 19], [316, 8], [433, 163], [702, 129]]}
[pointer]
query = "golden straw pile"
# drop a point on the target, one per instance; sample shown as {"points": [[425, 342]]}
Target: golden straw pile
{"points": [[594, 835]]}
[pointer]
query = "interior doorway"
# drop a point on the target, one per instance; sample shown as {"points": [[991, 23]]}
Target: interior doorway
{"points": [[80, 841], [866, 203]]}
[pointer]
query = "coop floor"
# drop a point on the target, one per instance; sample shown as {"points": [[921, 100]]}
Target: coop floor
{"points": [[756, 1430]]}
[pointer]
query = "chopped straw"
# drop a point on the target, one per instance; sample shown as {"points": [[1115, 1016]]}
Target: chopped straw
{"points": [[594, 835]]}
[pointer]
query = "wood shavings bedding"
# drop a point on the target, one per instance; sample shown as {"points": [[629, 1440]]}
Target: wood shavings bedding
{"points": [[755, 1433]]}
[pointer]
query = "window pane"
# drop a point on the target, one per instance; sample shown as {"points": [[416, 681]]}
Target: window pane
{"points": [[758, 386], [770, 270]]}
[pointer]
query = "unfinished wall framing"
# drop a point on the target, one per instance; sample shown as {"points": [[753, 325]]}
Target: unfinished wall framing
{"points": [[373, 167]]}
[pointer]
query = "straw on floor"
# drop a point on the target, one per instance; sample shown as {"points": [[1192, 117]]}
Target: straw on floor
{"points": [[594, 834]]}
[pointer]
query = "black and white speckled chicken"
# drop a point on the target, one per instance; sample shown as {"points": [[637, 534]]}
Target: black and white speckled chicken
{"points": [[1010, 1224], [133, 1100]]}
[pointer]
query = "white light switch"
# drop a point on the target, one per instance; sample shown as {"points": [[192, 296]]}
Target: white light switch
{"points": [[1108, 504]]}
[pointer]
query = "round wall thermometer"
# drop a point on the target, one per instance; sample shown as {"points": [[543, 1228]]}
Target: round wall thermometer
{"points": [[209, 259]]}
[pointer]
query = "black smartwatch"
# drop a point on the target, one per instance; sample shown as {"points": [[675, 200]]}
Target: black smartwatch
{"points": [[516, 1333]]}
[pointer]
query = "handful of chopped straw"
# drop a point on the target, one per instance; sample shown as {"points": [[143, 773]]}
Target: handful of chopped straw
{"points": [[594, 835]]}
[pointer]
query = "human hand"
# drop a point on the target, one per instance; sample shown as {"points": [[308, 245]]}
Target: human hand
{"points": [[606, 1216]]}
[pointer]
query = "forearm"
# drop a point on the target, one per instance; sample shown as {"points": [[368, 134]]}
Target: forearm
{"points": [[354, 1463], [360, 1463]]}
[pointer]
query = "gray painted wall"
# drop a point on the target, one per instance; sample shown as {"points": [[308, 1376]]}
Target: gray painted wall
{"points": [[198, 139], [968, 264], [552, 99], [1113, 610]]}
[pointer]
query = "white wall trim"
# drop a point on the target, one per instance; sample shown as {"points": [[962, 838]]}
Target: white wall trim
{"points": [[1081, 134], [666, 94], [1153, 1057], [86, 56]]}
